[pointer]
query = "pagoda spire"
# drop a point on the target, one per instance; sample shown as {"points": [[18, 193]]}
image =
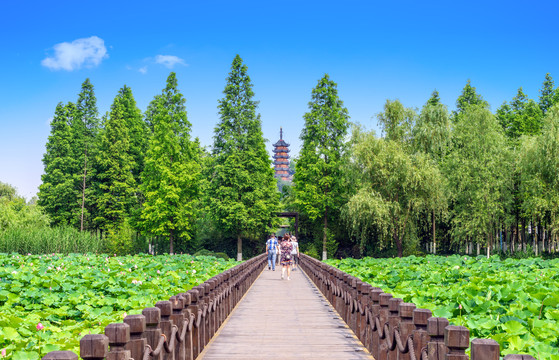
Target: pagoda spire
{"points": [[281, 159]]}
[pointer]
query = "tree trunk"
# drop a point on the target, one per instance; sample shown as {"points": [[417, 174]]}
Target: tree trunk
{"points": [[478, 249], [83, 188], [488, 245], [171, 238], [325, 237], [434, 236], [239, 248]]}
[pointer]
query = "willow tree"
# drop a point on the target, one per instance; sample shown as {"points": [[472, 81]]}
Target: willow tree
{"points": [[432, 135], [319, 179], [394, 185], [171, 176], [241, 191], [477, 170]]}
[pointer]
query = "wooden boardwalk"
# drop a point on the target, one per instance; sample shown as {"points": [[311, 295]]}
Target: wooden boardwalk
{"points": [[281, 319]]}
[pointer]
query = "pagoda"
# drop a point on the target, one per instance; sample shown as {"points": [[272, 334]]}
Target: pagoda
{"points": [[281, 160]]}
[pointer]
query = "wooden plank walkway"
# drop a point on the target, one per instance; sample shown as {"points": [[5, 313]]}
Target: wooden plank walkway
{"points": [[281, 319]]}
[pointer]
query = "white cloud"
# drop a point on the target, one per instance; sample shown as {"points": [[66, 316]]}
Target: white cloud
{"points": [[169, 60], [143, 69], [80, 52]]}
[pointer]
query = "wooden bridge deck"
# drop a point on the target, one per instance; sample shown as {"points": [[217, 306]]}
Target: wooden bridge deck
{"points": [[281, 319]]}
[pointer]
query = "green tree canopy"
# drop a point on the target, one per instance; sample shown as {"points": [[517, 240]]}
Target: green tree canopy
{"points": [[58, 194], [319, 179], [115, 180], [171, 176], [242, 193]]}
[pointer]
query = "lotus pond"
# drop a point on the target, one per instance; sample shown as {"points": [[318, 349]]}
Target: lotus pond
{"points": [[49, 302], [514, 302]]}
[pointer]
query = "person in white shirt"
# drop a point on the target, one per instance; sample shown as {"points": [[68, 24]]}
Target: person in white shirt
{"points": [[295, 252]]}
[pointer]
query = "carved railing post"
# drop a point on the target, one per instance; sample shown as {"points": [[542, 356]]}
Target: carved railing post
{"points": [[420, 335], [407, 326], [94, 347], [177, 317], [196, 331], [393, 323], [119, 336], [485, 349], [436, 349], [375, 310], [153, 331], [383, 319], [166, 324], [137, 342], [457, 340], [363, 289]]}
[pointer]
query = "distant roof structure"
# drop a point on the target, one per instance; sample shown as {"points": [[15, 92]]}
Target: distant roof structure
{"points": [[281, 160]]}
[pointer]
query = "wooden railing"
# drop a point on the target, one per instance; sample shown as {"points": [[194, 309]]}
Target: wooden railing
{"points": [[392, 329], [175, 329]]}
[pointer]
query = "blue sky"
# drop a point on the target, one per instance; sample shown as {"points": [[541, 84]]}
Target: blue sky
{"points": [[374, 50]]}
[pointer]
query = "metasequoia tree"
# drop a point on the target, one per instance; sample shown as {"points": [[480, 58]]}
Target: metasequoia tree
{"points": [[171, 176], [57, 194], [242, 192], [115, 180], [318, 179]]}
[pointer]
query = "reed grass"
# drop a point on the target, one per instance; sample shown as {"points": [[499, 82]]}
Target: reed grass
{"points": [[46, 240]]}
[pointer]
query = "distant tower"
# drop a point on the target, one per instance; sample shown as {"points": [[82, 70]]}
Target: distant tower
{"points": [[281, 160]]}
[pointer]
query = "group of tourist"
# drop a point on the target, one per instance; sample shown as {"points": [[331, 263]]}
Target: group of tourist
{"points": [[286, 250]]}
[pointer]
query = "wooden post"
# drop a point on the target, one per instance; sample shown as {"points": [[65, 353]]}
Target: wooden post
{"points": [[196, 331], [457, 340], [364, 289], [353, 311], [119, 336], [177, 318], [393, 324], [166, 324], [405, 310], [153, 331], [420, 335], [436, 348], [383, 343], [94, 347], [375, 309], [485, 349], [137, 342]]}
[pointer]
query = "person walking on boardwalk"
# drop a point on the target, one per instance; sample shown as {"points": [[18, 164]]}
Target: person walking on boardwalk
{"points": [[272, 250], [286, 257], [295, 252]]}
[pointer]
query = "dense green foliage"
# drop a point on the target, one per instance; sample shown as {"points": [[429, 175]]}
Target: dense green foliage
{"points": [[77, 294], [319, 181], [434, 181], [514, 302], [171, 174], [242, 196]]}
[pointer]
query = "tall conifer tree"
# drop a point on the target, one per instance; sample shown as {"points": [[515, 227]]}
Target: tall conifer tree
{"points": [[171, 176], [243, 195], [318, 176], [116, 183], [57, 194], [547, 94], [85, 128], [468, 97]]}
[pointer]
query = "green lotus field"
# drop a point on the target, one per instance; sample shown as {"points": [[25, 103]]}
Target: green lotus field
{"points": [[49, 302], [512, 301]]}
